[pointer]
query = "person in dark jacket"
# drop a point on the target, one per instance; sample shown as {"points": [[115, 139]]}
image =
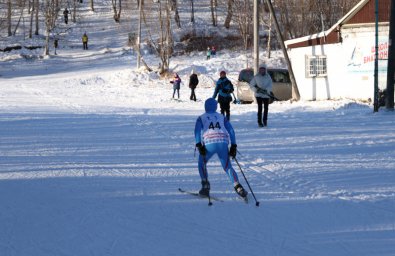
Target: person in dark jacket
{"points": [[224, 89], [85, 41], [66, 15], [193, 82]]}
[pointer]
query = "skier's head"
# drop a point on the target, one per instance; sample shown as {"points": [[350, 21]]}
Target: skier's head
{"points": [[210, 105], [222, 73], [262, 69]]}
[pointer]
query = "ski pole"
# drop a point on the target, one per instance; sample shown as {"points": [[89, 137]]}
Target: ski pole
{"points": [[205, 169], [237, 162]]}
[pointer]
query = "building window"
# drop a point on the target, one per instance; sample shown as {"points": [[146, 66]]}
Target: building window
{"points": [[316, 66]]}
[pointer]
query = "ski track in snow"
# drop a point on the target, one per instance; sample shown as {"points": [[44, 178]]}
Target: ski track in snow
{"points": [[105, 183]]}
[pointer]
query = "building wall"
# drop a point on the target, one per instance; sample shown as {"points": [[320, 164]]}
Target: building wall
{"points": [[350, 65]]}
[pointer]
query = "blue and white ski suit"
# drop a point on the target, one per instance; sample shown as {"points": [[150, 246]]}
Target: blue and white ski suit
{"points": [[213, 130]]}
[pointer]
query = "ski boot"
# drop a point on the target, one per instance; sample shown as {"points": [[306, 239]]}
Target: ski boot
{"points": [[240, 190], [205, 190]]}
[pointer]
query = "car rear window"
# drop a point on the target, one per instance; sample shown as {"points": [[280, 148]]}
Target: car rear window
{"points": [[279, 76], [246, 75]]}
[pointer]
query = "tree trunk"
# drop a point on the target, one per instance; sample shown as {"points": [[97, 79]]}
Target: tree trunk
{"points": [[176, 14], [19, 20], [117, 14], [229, 16], [92, 7], [36, 8], [31, 19], [268, 49], [74, 10], [192, 13], [212, 7], [9, 18]]}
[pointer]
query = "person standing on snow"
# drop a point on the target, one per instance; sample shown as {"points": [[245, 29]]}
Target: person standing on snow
{"points": [[213, 51], [224, 90], [85, 41], [66, 15], [176, 85], [193, 82], [208, 53], [261, 85], [212, 134]]}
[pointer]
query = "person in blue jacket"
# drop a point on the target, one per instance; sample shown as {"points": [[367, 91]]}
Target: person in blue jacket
{"points": [[224, 89], [212, 134], [176, 85]]}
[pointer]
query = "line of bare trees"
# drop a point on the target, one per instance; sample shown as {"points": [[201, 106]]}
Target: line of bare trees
{"points": [[297, 17]]}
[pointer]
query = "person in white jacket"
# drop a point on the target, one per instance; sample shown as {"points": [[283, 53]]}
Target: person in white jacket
{"points": [[261, 85]]}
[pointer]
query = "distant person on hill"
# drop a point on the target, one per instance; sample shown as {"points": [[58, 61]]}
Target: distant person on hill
{"points": [[193, 82], [85, 41], [224, 89], [66, 15], [176, 85], [208, 54], [213, 51], [55, 44], [212, 135], [261, 85]]}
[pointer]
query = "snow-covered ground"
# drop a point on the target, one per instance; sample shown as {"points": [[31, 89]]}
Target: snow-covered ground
{"points": [[93, 151]]}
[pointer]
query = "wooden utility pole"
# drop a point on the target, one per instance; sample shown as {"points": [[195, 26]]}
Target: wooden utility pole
{"points": [[139, 37], [256, 37], [389, 101], [295, 90]]}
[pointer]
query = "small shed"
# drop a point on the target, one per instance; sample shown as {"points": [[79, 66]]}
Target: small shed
{"points": [[339, 63]]}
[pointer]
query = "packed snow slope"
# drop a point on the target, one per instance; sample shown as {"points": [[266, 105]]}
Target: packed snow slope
{"points": [[93, 151]]}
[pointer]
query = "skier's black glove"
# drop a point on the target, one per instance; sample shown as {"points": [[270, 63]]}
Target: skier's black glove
{"points": [[201, 148], [233, 150]]}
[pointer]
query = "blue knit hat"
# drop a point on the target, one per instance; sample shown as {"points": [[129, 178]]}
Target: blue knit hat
{"points": [[210, 105]]}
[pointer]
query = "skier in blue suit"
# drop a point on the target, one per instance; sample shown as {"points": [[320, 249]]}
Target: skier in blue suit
{"points": [[212, 134]]}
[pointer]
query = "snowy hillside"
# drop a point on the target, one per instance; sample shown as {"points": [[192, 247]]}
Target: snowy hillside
{"points": [[93, 151]]}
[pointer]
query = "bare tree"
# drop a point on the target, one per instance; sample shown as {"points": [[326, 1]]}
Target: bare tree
{"points": [[36, 8], [213, 8], [23, 3], [229, 15], [9, 15], [192, 12], [176, 14], [117, 8], [303, 17], [50, 14], [92, 6], [31, 4], [242, 11], [164, 44]]}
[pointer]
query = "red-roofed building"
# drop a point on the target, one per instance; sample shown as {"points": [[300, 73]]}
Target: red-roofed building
{"points": [[339, 63]]}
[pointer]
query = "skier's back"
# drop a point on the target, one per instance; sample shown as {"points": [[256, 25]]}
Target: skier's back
{"points": [[212, 134]]}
